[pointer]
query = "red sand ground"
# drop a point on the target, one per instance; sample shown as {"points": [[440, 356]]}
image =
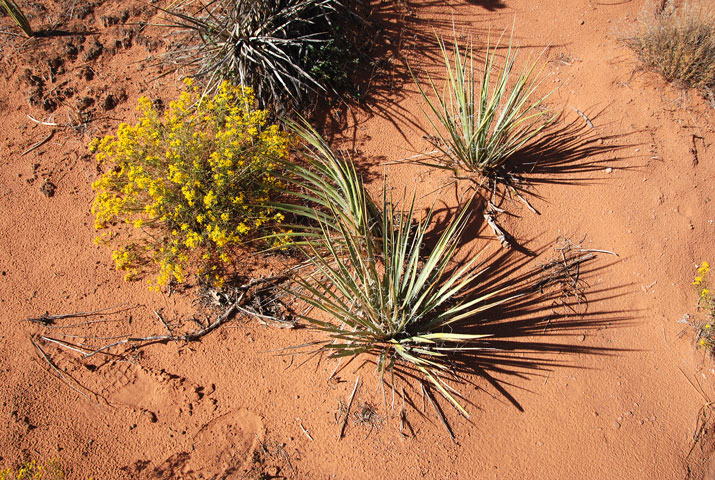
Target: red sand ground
{"points": [[225, 405]]}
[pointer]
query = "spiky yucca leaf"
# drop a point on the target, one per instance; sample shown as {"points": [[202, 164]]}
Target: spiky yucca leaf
{"points": [[391, 296], [479, 124], [16, 13], [328, 187]]}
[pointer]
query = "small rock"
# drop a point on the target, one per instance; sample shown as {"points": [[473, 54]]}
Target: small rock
{"points": [[616, 425], [609, 170]]}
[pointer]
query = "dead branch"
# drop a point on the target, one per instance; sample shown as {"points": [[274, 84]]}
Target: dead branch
{"points": [[62, 375], [498, 232], [39, 144], [135, 341], [347, 412], [47, 319], [582, 115]]}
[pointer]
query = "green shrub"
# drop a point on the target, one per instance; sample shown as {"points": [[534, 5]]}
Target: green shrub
{"points": [[392, 297], [677, 42], [375, 287], [192, 184], [327, 188], [479, 123]]}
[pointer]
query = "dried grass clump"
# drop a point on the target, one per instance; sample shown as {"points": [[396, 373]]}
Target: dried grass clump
{"points": [[678, 42]]}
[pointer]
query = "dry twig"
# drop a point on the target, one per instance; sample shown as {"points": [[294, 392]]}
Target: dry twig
{"points": [[347, 412]]}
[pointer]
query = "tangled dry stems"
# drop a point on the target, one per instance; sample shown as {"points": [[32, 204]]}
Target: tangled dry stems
{"points": [[677, 41]]}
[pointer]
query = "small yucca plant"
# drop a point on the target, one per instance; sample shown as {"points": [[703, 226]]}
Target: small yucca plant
{"points": [[16, 13], [391, 296], [480, 122]]}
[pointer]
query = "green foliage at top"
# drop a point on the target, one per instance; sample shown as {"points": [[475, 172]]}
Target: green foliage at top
{"points": [[18, 16], [480, 122], [193, 184]]}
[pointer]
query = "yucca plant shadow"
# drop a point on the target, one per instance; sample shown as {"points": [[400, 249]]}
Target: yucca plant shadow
{"points": [[538, 325], [565, 153], [489, 5], [391, 33], [474, 223], [526, 333]]}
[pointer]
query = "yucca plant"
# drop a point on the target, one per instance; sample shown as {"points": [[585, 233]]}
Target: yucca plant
{"points": [[480, 122], [16, 13], [263, 44], [390, 296], [327, 187]]}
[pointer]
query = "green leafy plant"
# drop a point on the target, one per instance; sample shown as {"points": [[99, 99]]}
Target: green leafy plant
{"points": [[479, 123], [16, 13], [390, 296], [193, 184], [283, 49], [678, 42]]}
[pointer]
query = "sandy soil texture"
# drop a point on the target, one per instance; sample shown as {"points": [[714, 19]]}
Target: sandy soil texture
{"points": [[600, 388]]}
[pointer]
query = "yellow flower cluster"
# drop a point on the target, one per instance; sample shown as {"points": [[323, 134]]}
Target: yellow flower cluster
{"points": [[701, 283], [33, 471], [198, 177], [705, 331]]}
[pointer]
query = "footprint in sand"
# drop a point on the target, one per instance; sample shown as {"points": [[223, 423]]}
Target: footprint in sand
{"points": [[222, 449], [161, 395]]}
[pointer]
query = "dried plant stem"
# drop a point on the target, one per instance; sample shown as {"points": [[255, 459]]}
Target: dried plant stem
{"points": [[347, 412], [62, 375]]}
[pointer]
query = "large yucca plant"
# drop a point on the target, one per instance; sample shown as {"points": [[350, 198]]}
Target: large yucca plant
{"points": [[263, 44], [480, 122], [392, 296]]}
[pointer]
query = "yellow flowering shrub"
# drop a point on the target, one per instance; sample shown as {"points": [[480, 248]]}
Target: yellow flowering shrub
{"points": [[705, 334], [189, 184], [33, 471]]}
